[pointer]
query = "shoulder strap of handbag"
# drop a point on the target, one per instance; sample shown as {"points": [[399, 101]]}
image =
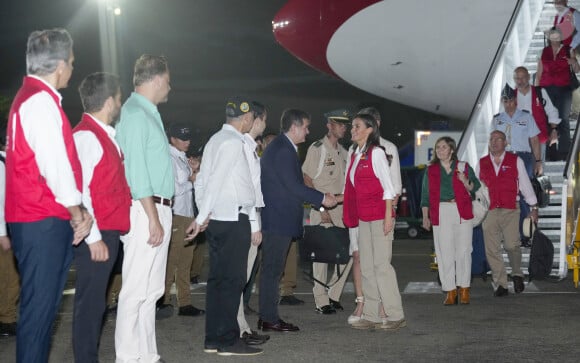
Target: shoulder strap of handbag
{"points": [[462, 165], [321, 162]]}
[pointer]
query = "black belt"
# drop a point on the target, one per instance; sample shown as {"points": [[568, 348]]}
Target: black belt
{"points": [[164, 201]]}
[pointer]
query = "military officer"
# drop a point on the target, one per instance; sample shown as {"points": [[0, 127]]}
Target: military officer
{"points": [[324, 170]]}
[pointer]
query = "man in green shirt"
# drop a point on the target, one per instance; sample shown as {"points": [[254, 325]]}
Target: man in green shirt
{"points": [[142, 139]]}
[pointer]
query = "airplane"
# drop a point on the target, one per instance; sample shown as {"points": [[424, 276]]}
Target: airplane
{"points": [[432, 55]]}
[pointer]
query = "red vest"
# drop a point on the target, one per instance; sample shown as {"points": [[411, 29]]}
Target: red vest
{"points": [[555, 71], [462, 196], [110, 192], [503, 187], [365, 202], [539, 115], [566, 26], [28, 197]]}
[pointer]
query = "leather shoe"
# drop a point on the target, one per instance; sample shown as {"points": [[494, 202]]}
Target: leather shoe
{"points": [[518, 284], [326, 310], [280, 325], [190, 310], [238, 348], [253, 338], [501, 291], [290, 300], [336, 305], [451, 298], [8, 329]]}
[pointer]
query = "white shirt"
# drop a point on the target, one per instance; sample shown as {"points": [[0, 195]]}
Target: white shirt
{"points": [[524, 102], [183, 198], [524, 184], [42, 128], [380, 169], [2, 195], [90, 153], [255, 171], [224, 183], [395, 167]]}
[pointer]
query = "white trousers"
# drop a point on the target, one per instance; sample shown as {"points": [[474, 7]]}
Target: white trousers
{"points": [[144, 269], [453, 247], [242, 322]]}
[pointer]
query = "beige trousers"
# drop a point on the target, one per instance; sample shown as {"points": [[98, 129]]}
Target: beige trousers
{"points": [[379, 279], [179, 262], [502, 225]]}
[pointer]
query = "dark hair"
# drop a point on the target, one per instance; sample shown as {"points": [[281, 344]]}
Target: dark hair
{"points": [[451, 143], [259, 109], [371, 111], [291, 117], [147, 67], [374, 138], [45, 48], [96, 88]]}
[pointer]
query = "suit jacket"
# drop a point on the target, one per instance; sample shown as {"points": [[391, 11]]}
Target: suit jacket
{"points": [[284, 190]]}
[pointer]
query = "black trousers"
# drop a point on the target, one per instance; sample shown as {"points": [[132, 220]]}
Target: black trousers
{"points": [[92, 279], [228, 243], [274, 251]]}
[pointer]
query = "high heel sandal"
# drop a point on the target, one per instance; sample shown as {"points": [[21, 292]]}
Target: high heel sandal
{"points": [[353, 318]]}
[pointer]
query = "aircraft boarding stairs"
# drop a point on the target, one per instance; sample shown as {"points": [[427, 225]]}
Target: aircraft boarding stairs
{"points": [[558, 220]]}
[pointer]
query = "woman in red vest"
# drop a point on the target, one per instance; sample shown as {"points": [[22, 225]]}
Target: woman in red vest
{"points": [[368, 204], [446, 205], [553, 74]]}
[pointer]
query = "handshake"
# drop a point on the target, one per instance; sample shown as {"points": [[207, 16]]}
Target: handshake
{"points": [[331, 200]]}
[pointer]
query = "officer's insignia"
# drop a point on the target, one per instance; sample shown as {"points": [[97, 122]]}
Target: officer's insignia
{"points": [[317, 143], [496, 115], [526, 111], [329, 162], [244, 107]]}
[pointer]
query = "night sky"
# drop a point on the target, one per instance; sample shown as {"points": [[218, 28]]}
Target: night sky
{"points": [[216, 48]]}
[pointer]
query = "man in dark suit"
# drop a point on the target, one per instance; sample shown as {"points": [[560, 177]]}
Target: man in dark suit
{"points": [[284, 194]]}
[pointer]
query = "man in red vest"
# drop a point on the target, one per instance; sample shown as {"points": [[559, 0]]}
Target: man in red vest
{"points": [[107, 197], [43, 190], [504, 174], [537, 101]]}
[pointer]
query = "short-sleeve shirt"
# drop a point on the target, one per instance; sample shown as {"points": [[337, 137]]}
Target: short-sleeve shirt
{"points": [[518, 128]]}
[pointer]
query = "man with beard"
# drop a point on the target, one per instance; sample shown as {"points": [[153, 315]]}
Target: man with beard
{"points": [[107, 198]]}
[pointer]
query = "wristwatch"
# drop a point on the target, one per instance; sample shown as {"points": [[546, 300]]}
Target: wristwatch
{"points": [[535, 207]]}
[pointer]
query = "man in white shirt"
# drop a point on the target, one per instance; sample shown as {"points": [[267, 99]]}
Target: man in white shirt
{"points": [[539, 105], [248, 335], [226, 196], [180, 251], [107, 198]]}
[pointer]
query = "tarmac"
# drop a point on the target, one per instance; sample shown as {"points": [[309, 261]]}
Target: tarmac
{"points": [[540, 325]]}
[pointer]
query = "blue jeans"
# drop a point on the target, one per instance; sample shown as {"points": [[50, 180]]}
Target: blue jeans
{"points": [[44, 253]]}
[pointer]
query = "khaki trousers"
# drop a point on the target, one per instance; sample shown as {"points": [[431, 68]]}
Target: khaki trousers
{"points": [[9, 287], [179, 262], [320, 272], [379, 279], [502, 225], [199, 252], [288, 282], [453, 246]]}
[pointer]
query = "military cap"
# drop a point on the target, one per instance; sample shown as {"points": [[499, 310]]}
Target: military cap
{"points": [[508, 93], [341, 115], [238, 105]]}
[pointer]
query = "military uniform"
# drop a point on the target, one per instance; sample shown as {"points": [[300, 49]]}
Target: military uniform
{"points": [[326, 166]]}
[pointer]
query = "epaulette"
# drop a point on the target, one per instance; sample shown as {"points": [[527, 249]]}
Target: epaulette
{"points": [[525, 111], [317, 143], [496, 115]]}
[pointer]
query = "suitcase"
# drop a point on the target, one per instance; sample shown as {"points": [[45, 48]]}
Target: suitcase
{"points": [[542, 188], [479, 266]]}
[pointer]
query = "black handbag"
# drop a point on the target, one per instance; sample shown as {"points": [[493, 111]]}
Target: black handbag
{"points": [[542, 187], [325, 245], [574, 83]]}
